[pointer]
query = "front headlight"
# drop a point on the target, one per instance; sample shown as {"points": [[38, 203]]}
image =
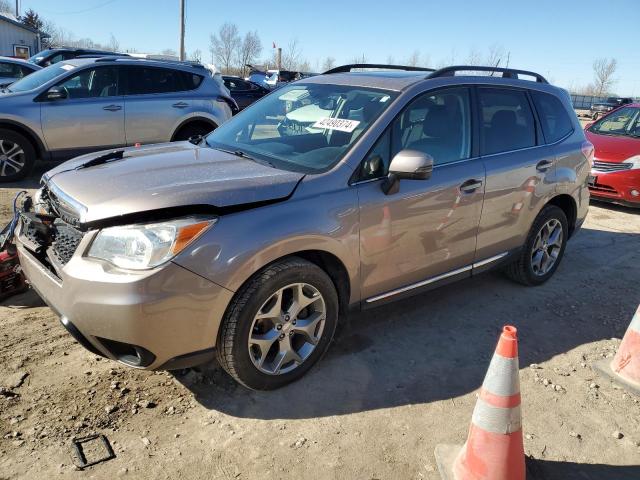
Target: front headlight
{"points": [[147, 245], [634, 161]]}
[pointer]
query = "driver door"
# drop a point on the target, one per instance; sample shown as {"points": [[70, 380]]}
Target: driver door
{"points": [[426, 232], [92, 116]]}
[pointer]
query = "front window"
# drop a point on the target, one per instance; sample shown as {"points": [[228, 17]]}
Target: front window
{"points": [[39, 78], [305, 128], [622, 122]]}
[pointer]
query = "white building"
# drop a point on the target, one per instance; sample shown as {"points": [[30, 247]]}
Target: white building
{"points": [[17, 39]]}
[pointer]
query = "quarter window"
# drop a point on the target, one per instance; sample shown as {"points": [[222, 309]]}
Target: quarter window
{"points": [[507, 120], [555, 121]]}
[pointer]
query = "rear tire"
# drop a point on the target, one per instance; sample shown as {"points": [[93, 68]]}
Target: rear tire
{"points": [[254, 364], [17, 156], [528, 269]]}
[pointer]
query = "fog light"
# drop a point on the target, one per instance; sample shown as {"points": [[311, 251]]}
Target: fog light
{"points": [[635, 193]]}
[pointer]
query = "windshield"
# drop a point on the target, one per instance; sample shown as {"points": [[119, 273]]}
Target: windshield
{"points": [[625, 121], [305, 128], [39, 56], [39, 78]]}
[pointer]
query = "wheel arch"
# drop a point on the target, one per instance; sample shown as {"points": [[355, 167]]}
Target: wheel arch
{"points": [[568, 205], [27, 132], [199, 120]]}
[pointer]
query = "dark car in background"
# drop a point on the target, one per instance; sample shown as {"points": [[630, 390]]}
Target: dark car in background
{"points": [[601, 108], [244, 92], [55, 55]]}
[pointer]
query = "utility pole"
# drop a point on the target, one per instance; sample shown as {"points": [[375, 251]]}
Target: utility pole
{"points": [[17, 8], [181, 29]]}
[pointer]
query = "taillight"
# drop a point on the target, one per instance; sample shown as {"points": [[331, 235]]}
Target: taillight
{"points": [[588, 150]]}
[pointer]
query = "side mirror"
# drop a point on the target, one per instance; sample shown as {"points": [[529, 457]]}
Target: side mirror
{"points": [[56, 93], [407, 164]]}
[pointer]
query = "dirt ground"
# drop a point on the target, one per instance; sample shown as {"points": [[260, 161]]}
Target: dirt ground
{"points": [[397, 381]]}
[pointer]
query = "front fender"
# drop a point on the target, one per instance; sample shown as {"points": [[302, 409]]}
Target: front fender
{"points": [[244, 242]]}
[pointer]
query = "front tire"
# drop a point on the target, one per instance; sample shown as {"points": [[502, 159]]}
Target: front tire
{"points": [[278, 325], [543, 249], [17, 156]]}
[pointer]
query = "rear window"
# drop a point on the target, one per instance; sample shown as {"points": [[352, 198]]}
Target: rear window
{"points": [[148, 80], [507, 120], [555, 120]]}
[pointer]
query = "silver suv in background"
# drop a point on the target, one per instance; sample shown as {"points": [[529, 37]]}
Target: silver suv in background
{"points": [[250, 244], [89, 104]]}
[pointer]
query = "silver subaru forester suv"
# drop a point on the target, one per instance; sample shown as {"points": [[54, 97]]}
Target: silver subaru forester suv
{"points": [[344, 190], [89, 104]]}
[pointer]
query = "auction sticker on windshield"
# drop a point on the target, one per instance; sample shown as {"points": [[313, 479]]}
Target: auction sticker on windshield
{"points": [[340, 124]]}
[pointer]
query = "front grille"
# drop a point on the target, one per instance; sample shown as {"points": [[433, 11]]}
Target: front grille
{"points": [[610, 166], [602, 188], [65, 241]]}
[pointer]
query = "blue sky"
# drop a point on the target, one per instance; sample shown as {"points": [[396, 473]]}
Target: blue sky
{"points": [[548, 36]]}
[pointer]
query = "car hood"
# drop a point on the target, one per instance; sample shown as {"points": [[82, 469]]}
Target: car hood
{"points": [[164, 176], [613, 148]]}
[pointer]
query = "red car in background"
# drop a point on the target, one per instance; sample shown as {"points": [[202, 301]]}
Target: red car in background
{"points": [[615, 175]]}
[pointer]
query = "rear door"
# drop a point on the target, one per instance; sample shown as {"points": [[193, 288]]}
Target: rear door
{"points": [[90, 118], [520, 170], [156, 102]]}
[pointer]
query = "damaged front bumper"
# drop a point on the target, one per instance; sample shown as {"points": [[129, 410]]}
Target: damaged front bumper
{"points": [[163, 318]]}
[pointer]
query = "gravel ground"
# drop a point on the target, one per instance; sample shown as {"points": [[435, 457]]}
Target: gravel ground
{"points": [[397, 381]]}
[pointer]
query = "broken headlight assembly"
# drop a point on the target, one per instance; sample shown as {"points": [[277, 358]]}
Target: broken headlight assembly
{"points": [[147, 245]]}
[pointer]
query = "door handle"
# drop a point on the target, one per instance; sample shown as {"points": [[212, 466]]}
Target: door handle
{"points": [[544, 165], [470, 186], [112, 108], [180, 105]]}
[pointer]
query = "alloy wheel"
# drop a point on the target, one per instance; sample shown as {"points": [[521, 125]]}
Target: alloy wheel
{"points": [[546, 247], [287, 328], [12, 159]]}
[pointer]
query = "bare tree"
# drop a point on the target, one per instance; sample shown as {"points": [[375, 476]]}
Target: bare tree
{"points": [[603, 71], [359, 59], [7, 7], [224, 46], [196, 56], [391, 60], [414, 59], [249, 50], [328, 64], [291, 56], [496, 57], [114, 44], [474, 57]]}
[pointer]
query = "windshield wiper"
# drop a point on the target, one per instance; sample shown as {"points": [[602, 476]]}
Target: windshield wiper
{"points": [[243, 154], [102, 159]]}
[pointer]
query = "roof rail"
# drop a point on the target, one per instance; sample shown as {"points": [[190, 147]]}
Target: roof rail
{"points": [[106, 58], [186, 63], [506, 72], [351, 66]]}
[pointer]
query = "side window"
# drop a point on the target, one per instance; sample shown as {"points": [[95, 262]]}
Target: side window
{"points": [[10, 70], [92, 83], [507, 120], [146, 80], [436, 123], [555, 121], [24, 71]]}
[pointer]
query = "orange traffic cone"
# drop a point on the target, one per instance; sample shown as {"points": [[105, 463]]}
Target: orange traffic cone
{"points": [[625, 367], [494, 449]]}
